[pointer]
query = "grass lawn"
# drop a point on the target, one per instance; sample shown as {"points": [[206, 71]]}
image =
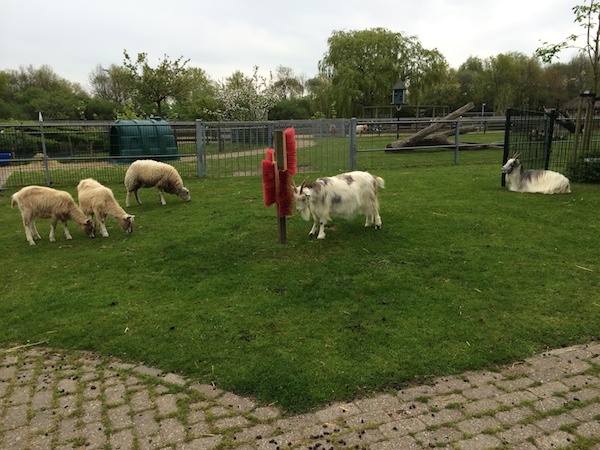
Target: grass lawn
{"points": [[463, 275]]}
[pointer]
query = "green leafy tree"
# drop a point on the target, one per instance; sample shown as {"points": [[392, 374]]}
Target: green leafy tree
{"points": [[201, 99], [157, 86], [364, 65]]}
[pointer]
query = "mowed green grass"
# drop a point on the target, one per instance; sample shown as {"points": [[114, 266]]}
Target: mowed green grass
{"points": [[463, 275]]}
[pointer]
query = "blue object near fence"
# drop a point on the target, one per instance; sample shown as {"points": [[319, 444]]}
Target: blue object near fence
{"points": [[142, 139], [4, 158]]}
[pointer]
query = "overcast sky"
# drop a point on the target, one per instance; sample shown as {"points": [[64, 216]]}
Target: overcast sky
{"points": [[223, 36]]}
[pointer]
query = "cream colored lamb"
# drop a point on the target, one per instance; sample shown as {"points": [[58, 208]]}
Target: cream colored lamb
{"points": [[99, 201], [148, 173], [43, 202]]}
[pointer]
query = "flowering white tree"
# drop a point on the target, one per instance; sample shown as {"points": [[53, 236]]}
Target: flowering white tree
{"points": [[245, 98]]}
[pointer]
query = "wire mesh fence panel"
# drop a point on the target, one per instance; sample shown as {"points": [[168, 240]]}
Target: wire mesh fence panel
{"points": [[54, 153]]}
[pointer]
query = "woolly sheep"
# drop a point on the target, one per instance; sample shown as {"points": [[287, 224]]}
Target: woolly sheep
{"points": [[148, 173], [99, 201], [43, 202]]}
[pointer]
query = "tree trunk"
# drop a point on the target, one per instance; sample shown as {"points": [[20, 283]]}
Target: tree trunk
{"points": [[436, 125]]}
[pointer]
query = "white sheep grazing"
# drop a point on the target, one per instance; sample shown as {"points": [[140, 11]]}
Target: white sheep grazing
{"points": [[43, 202], [148, 173], [99, 201], [534, 181], [360, 129]]}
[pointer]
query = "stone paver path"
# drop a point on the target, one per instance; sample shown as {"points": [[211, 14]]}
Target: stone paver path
{"points": [[50, 400]]}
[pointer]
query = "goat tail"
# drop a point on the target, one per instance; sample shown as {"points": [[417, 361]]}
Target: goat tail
{"points": [[13, 200]]}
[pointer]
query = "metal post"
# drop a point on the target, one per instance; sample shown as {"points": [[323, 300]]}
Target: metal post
{"points": [[201, 148], [352, 144], [43, 138], [456, 141]]}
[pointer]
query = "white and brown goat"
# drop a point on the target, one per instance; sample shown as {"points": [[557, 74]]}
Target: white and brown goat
{"points": [[345, 195], [534, 181]]}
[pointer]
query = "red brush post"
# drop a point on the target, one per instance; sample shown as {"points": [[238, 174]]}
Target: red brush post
{"points": [[290, 150]]}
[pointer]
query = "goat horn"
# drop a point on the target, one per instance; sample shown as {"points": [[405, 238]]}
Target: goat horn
{"points": [[303, 183], [517, 155]]}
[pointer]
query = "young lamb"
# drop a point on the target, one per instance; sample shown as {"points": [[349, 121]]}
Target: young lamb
{"points": [[147, 173], [98, 200], [534, 181], [47, 203]]}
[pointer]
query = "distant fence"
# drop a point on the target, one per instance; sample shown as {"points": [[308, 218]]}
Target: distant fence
{"points": [[54, 153]]}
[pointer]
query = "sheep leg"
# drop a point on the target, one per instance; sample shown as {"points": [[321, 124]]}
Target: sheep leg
{"points": [[127, 199], [101, 220], [52, 228], [28, 233], [67, 233], [34, 230], [162, 198], [137, 197]]}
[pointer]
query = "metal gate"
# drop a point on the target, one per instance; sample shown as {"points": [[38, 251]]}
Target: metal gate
{"points": [[543, 138]]}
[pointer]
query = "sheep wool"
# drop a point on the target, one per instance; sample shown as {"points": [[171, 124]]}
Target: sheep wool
{"points": [[149, 173], [43, 202]]}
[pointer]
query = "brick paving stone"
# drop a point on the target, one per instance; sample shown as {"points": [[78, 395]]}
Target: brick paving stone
{"points": [[115, 394], [92, 411], [439, 436], [171, 431], [144, 423], [402, 427], [478, 425], [519, 433], [166, 404], [141, 401], [205, 443], [481, 406], [515, 398], [231, 422], [120, 417], [589, 429], [122, 440], [587, 413], [514, 415], [266, 412], [517, 384], [554, 422], [404, 443], [558, 439], [368, 418], [440, 417], [442, 401], [236, 402], [480, 392], [380, 402], [207, 390], [480, 442]]}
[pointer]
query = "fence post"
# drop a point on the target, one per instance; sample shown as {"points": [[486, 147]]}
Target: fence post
{"points": [[456, 141], [44, 152], [201, 148], [509, 112], [352, 144]]}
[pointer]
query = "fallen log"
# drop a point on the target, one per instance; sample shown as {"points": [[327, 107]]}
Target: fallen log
{"points": [[438, 139], [430, 129]]}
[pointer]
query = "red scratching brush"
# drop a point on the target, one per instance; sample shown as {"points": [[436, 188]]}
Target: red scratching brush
{"points": [[268, 175], [284, 194], [290, 149]]}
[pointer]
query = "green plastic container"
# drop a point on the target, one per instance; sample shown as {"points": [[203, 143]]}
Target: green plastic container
{"points": [[142, 139]]}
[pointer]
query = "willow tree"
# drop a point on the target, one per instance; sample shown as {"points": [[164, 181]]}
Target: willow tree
{"points": [[364, 65]]}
